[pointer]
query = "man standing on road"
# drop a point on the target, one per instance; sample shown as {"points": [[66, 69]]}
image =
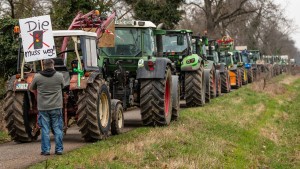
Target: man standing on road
{"points": [[49, 84]]}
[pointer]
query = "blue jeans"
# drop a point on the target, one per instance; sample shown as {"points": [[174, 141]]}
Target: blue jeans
{"points": [[47, 120]]}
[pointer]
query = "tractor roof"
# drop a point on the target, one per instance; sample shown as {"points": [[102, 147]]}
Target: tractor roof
{"points": [[134, 24], [73, 33], [179, 31]]}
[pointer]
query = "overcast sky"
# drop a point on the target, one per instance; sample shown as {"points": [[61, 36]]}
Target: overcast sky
{"points": [[292, 8]]}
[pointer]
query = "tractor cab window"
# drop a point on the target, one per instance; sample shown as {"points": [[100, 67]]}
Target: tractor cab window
{"points": [[127, 43], [149, 42], [225, 58], [236, 57], [172, 43], [245, 58]]}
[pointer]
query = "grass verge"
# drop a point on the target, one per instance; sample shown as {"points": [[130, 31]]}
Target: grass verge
{"points": [[248, 128]]}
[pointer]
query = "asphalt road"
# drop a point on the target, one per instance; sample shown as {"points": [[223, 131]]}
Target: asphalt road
{"points": [[14, 155]]}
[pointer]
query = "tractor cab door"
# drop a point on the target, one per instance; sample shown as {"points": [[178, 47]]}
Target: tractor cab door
{"points": [[89, 52]]}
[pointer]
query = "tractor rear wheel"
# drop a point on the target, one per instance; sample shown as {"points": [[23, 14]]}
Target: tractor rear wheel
{"points": [[19, 122], [213, 84], [117, 124], [94, 111], [225, 82], [195, 88], [244, 76], [208, 85], [218, 83], [250, 75], [156, 100]]}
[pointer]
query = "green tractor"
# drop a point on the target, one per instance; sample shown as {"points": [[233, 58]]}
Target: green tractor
{"points": [[139, 75], [222, 71], [212, 75], [226, 55], [188, 66]]}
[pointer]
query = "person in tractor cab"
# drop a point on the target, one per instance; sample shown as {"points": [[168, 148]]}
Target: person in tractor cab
{"points": [[49, 84]]}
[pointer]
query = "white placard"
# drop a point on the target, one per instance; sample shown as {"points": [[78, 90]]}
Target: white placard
{"points": [[37, 38]]}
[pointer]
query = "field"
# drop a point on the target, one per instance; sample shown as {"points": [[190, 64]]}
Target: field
{"points": [[249, 128]]}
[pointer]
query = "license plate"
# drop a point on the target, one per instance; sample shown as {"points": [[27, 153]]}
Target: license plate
{"points": [[22, 86]]}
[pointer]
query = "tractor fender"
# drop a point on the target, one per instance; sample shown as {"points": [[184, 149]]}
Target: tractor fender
{"points": [[84, 81], [191, 63], [10, 83], [207, 78], [175, 92], [92, 77], [221, 67], [160, 65], [233, 67], [208, 64]]}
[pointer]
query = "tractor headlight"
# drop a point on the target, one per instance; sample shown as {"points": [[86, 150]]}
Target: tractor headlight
{"points": [[190, 61]]}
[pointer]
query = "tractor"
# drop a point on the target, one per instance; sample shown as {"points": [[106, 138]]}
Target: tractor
{"points": [[212, 75], [242, 62], [86, 97], [137, 73], [255, 59], [189, 66], [225, 53]]}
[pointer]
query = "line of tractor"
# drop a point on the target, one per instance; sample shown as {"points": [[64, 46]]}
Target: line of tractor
{"points": [[146, 67]]}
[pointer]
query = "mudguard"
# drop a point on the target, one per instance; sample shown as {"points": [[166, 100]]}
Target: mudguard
{"points": [[191, 63], [208, 64], [207, 81], [160, 64], [93, 76], [221, 67], [10, 83], [233, 67]]}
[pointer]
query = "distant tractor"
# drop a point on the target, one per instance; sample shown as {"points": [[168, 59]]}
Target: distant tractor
{"points": [[188, 66], [139, 75], [212, 75], [226, 55], [86, 96]]}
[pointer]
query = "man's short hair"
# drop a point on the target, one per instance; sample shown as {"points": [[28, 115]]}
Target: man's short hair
{"points": [[48, 63]]}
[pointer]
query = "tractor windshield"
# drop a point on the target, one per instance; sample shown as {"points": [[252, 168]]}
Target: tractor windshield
{"points": [[127, 43], [245, 58], [172, 44], [225, 58]]}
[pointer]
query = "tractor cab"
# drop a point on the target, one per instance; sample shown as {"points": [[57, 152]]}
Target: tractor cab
{"points": [[177, 44], [133, 41]]}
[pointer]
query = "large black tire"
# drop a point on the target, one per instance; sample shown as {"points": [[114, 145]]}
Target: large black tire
{"points": [[213, 83], [117, 124], [238, 82], [8, 108], [250, 75], [19, 122], [195, 88], [225, 82], [94, 111], [218, 83], [156, 100], [244, 75], [207, 77], [175, 97]]}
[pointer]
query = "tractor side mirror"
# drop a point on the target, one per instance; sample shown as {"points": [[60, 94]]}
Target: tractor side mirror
{"points": [[180, 40]]}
